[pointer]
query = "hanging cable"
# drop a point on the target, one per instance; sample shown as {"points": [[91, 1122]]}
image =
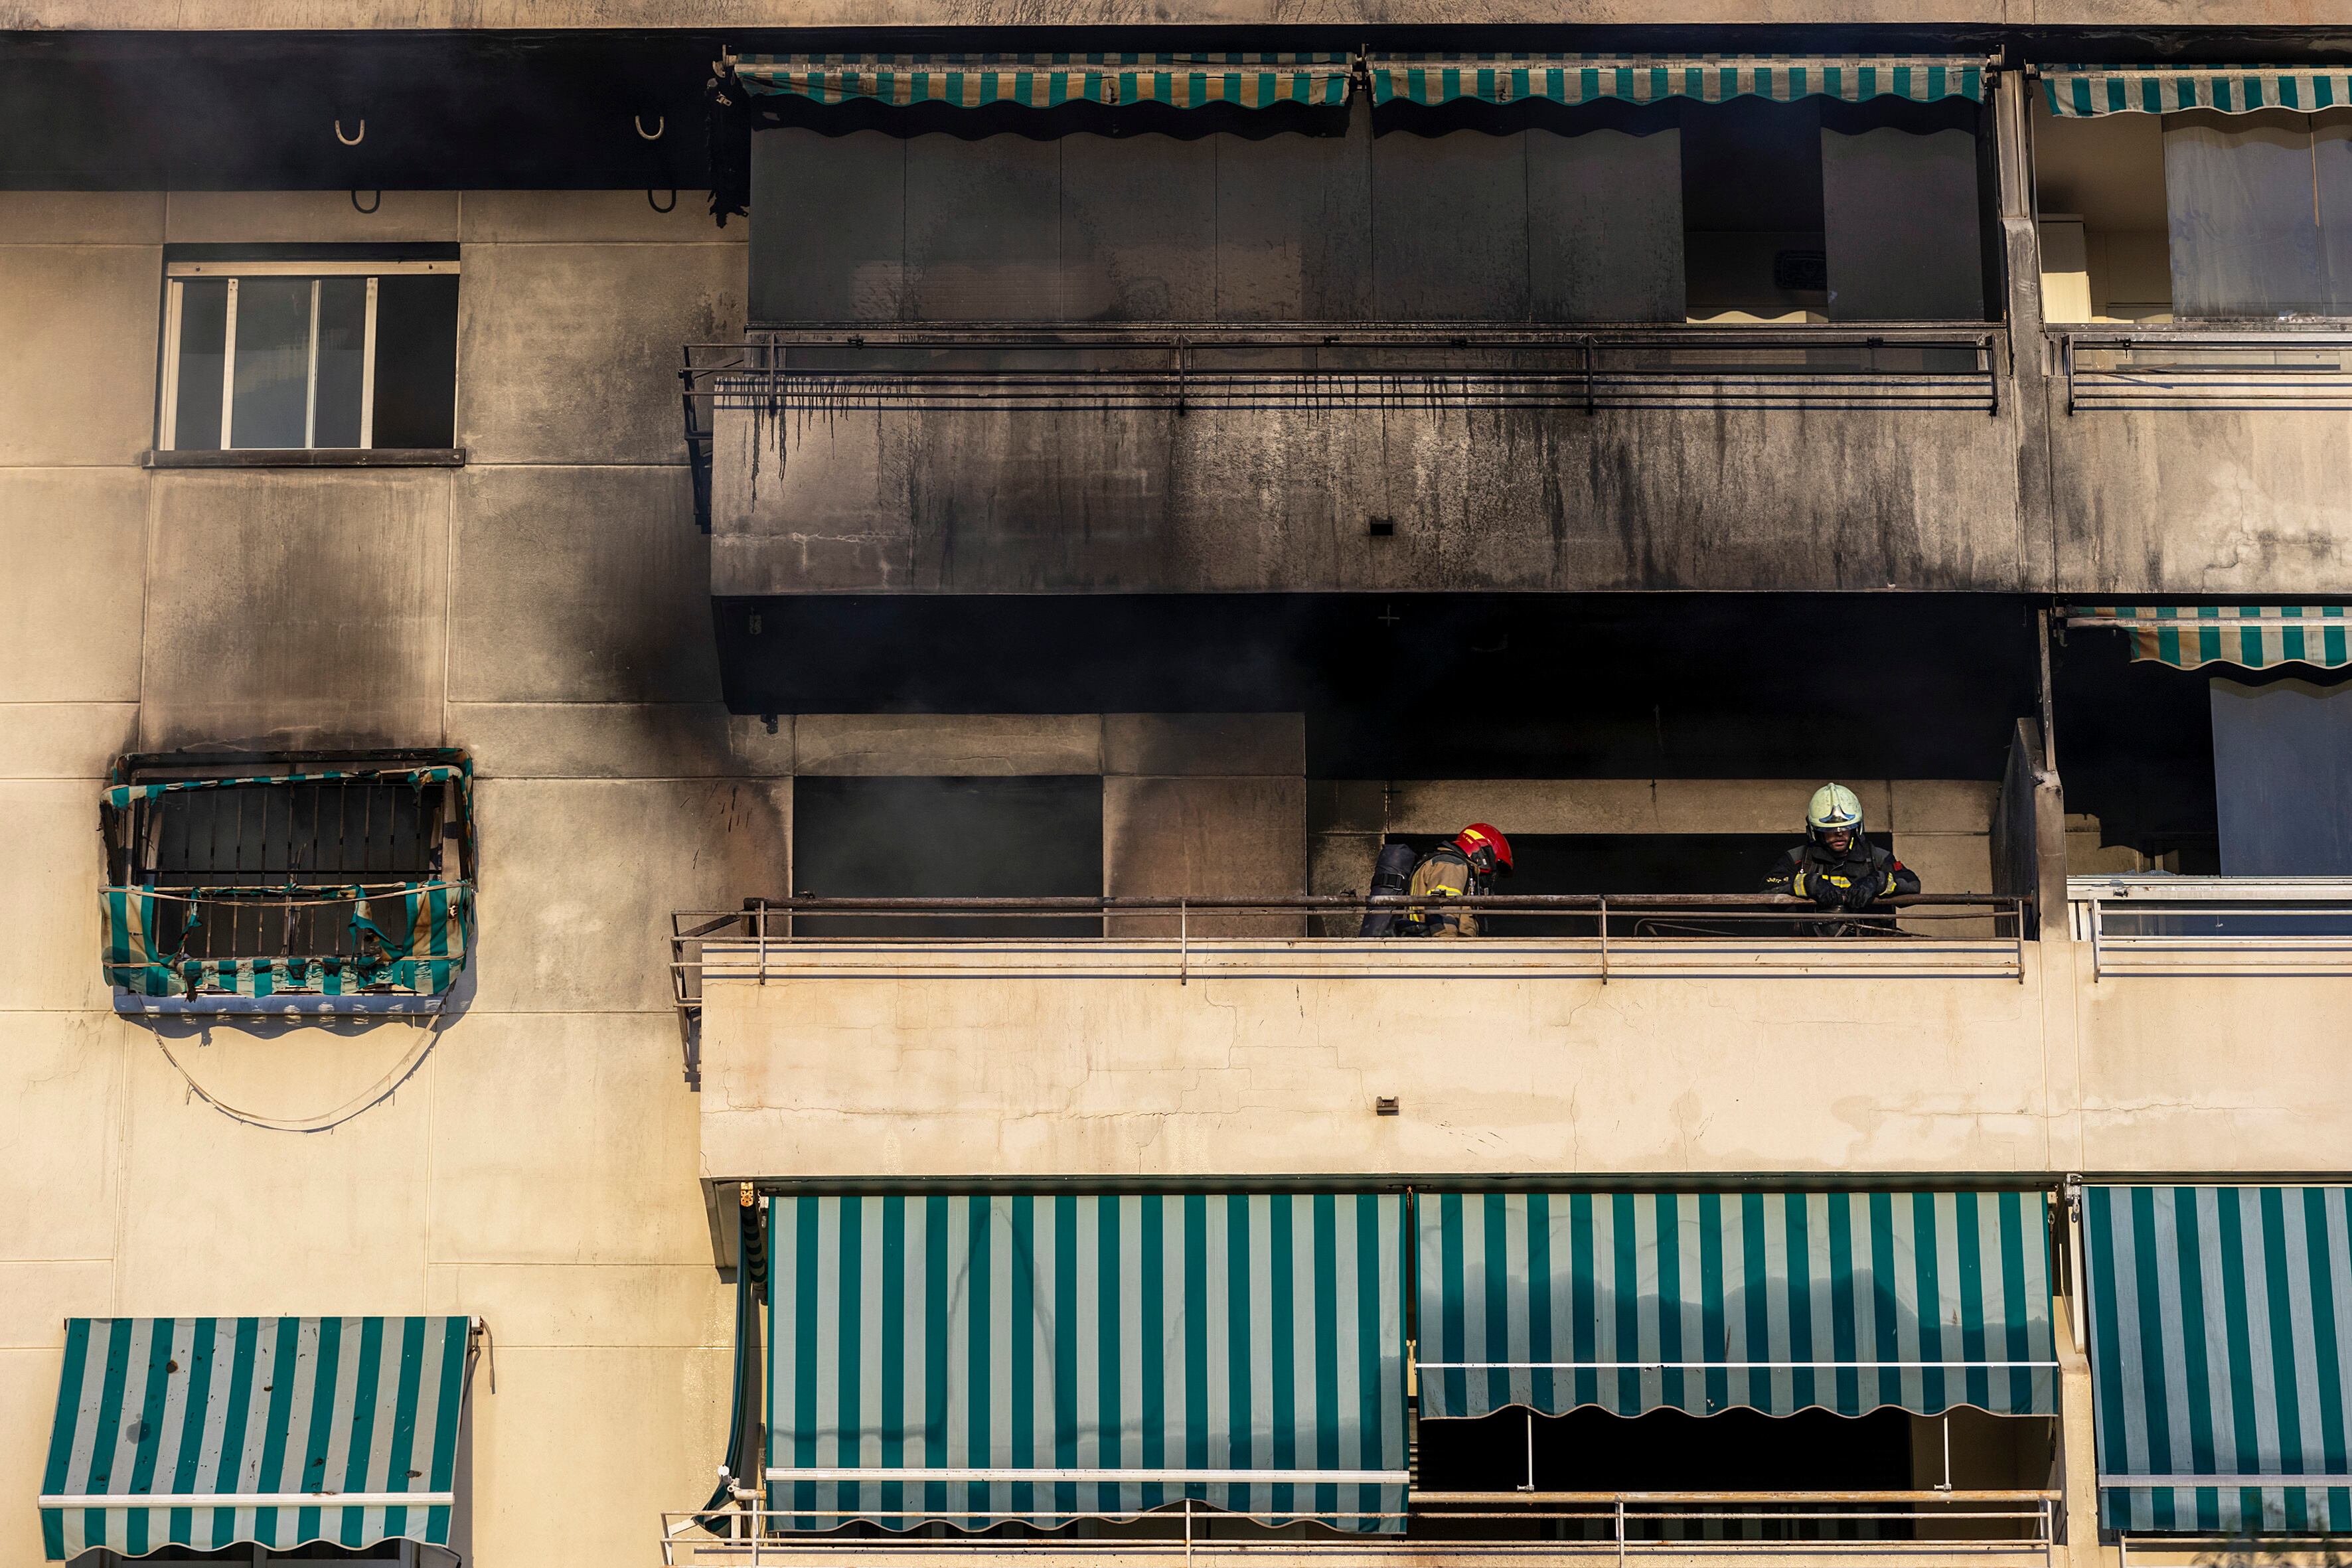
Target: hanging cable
{"points": [[350, 1110]]}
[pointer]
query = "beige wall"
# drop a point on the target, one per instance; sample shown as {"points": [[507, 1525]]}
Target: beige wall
{"points": [[547, 607]]}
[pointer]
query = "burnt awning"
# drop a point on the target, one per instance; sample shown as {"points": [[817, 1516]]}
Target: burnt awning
{"points": [[1048, 81]]}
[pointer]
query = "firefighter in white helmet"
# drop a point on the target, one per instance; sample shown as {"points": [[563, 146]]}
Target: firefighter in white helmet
{"points": [[1836, 866]]}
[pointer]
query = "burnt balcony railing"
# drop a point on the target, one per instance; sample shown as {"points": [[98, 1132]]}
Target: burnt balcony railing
{"points": [[2205, 367], [1012, 367]]}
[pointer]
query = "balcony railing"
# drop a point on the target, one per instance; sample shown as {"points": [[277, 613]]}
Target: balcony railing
{"points": [[2213, 925], [2205, 368], [1604, 937], [1016, 367], [1927, 1527]]}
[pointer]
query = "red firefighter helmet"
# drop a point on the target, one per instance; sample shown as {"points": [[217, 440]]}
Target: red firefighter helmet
{"points": [[1484, 839]]}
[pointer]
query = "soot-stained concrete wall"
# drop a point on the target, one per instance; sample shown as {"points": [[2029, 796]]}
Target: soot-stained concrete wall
{"points": [[957, 501]]}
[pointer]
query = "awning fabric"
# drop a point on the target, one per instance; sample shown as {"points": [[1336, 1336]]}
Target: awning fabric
{"points": [[1143, 1348], [2082, 91], [2256, 636], [2220, 1356], [1711, 1301], [1043, 81], [407, 936], [1648, 79], [215, 1431]]}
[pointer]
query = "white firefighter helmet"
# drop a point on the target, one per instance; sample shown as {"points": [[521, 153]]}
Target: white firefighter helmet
{"points": [[1834, 806]]}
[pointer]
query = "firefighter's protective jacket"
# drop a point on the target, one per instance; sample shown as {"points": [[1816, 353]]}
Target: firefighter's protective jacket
{"points": [[1445, 872], [1864, 872]]}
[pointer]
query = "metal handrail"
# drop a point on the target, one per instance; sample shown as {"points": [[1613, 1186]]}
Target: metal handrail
{"points": [[1284, 334], [2197, 375], [1402, 363], [2094, 902], [757, 1535], [1664, 921]]}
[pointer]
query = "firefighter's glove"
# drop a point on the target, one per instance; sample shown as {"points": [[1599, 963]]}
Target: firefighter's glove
{"points": [[1832, 892], [1860, 895]]}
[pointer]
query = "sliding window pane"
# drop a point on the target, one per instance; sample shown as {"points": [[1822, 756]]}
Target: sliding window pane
{"points": [[273, 363], [415, 362], [342, 357], [197, 400]]}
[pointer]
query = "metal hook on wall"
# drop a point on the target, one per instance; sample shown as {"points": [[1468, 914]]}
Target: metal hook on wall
{"points": [[351, 140], [657, 207], [661, 123], [355, 201]]}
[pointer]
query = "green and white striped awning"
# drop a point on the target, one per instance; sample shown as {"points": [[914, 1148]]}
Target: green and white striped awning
{"points": [[2257, 636], [1648, 79], [2083, 93], [215, 1432], [1043, 81], [2221, 1356], [939, 1357], [407, 937], [1706, 1301]]}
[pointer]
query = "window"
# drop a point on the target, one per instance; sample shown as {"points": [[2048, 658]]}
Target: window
{"points": [[277, 355]]}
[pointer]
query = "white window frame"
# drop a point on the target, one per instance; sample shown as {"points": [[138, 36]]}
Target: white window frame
{"points": [[177, 273]]}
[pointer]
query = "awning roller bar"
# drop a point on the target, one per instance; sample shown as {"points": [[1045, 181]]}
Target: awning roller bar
{"points": [[2226, 1483], [1704, 1365], [120, 1502], [1104, 1477]]}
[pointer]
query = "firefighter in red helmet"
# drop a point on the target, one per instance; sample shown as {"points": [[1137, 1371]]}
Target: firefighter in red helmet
{"points": [[1466, 866]]}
